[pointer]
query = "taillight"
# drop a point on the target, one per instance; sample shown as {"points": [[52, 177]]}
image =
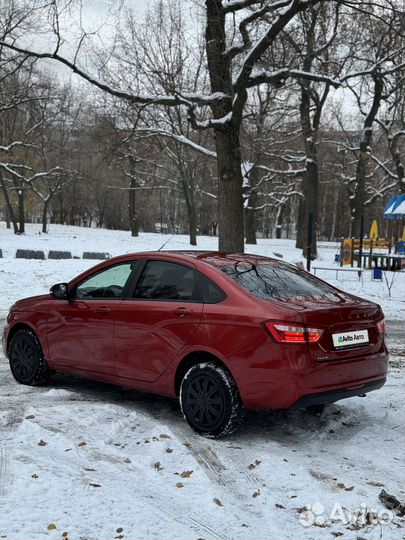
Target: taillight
{"points": [[381, 326], [293, 334]]}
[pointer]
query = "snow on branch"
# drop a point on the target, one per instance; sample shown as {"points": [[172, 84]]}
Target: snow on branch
{"points": [[11, 168], [286, 172], [280, 19], [179, 138], [244, 23], [168, 100], [383, 166], [10, 147], [379, 192], [237, 5], [280, 76]]}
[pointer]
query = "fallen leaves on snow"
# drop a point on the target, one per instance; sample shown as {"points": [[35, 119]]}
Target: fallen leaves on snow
{"points": [[186, 474], [254, 465]]}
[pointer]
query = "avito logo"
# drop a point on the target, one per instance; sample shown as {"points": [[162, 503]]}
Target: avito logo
{"points": [[342, 339]]}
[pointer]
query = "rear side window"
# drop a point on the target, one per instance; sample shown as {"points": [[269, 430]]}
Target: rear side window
{"points": [[161, 280], [274, 281], [210, 292]]}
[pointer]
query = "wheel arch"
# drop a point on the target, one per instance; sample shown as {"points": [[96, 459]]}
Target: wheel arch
{"points": [[16, 328], [193, 358]]}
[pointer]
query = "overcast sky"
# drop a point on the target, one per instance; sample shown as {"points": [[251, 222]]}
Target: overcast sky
{"points": [[95, 17]]}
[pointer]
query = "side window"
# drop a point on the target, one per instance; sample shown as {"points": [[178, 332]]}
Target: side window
{"points": [[161, 280], [106, 284], [211, 293]]}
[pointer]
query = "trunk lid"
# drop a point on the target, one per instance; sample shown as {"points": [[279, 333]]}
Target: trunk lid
{"points": [[337, 313]]}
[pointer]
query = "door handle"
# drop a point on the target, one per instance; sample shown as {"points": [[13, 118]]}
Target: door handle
{"points": [[182, 311], [103, 309]]}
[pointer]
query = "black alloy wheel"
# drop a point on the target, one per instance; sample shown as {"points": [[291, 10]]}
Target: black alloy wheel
{"points": [[210, 400], [27, 362]]}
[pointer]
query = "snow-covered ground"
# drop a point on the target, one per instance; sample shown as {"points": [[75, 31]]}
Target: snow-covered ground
{"points": [[84, 460], [19, 277]]}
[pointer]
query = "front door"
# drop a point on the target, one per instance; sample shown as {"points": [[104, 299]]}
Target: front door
{"points": [[81, 329], [160, 317]]}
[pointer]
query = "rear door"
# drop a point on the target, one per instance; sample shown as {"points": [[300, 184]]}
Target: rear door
{"points": [[157, 319]]}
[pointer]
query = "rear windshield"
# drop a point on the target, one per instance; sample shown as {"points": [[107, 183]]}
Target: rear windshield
{"points": [[273, 281]]}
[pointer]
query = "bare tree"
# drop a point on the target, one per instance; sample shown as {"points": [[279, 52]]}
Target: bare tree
{"points": [[231, 61]]}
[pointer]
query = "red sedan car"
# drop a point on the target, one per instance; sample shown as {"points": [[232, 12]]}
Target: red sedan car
{"points": [[223, 332]]}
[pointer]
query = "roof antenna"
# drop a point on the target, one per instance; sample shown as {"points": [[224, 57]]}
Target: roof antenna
{"points": [[167, 241]]}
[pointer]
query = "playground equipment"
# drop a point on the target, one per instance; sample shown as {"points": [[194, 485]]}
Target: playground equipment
{"points": [[375, 251]]}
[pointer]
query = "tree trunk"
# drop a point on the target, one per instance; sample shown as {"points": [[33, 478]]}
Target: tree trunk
{"points": [[132, 215], [279, 221], [399, 166], [359, 199], [7, 215], [230, 201], [133, 218], [61, 209], [21, 212], [192, 224], [250, 212], [188, 192], [310, 180], [335, 207], [300, 241], [44, 216], [10, 209], [250, 223], [357, 202]]}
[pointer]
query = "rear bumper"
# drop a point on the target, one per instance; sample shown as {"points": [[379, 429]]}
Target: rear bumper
{"points": [[331, 396], [283, 385]]}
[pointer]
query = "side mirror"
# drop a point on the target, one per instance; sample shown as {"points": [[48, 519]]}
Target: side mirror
{"points": [[60, 291]]}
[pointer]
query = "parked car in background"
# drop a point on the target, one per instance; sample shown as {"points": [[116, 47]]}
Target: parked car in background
{"points": [[221, 332]]}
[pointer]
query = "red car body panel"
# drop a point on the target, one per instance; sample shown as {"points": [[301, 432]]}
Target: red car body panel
{"points": [[142, 343], [157, 331]]}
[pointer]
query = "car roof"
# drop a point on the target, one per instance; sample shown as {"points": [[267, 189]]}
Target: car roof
{"points": [[214, 258]]}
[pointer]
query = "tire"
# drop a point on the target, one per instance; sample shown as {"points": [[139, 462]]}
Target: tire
{"points": [[316, 410], [210, 400], [27, 362]]}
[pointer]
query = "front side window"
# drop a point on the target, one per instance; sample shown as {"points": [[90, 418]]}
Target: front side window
{"points": [[161, 280], [106, 284], [269, 281]]}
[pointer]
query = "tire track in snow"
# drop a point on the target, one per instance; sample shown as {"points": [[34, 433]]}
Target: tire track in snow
{"points": [[230, 474], [164, 504]]}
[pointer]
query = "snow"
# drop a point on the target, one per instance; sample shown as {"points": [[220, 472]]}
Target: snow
{"points": [[97, 461]]}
